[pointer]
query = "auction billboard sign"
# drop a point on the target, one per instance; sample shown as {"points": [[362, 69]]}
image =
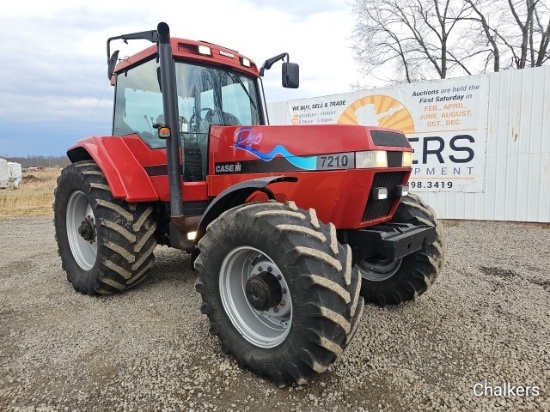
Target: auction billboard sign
{"points": [[444, 120]]}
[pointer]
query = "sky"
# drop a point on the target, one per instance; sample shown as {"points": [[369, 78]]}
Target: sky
{"points": [[54, 88]]}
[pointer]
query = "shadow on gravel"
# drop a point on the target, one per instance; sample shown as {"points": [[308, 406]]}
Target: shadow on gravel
{"points": [[171, 266]]}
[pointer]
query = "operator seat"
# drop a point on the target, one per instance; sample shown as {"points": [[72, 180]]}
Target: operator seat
{"points": [[218, 117]]}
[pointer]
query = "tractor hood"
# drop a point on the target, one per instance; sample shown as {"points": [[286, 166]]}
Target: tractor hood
{"points": [[267, 149]]}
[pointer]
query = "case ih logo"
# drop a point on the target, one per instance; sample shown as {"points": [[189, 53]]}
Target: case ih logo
{"points": [[228, 167]]}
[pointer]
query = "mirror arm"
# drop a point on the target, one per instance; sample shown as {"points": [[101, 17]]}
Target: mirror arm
{"points": [[270, 62], [150, 35]]}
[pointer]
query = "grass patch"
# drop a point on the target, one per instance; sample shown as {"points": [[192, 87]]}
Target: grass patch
{"points": [[34, 196]]}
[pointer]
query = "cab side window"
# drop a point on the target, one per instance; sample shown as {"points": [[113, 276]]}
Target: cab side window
{"points": [[138, 104]]}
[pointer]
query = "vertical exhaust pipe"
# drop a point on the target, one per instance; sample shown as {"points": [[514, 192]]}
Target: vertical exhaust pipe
{"points": [[171, 117]]}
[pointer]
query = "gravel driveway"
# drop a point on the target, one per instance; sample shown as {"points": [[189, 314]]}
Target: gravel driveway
{"points": [[484, 325]]}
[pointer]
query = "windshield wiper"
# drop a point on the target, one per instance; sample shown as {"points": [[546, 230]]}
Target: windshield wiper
{"points": [[236, 77]]}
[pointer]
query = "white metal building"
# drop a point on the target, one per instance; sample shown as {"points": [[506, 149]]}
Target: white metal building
{"points": [[4, 174], [15, 174], [501, 168]]}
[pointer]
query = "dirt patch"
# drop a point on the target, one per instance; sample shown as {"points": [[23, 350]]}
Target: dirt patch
{"points": [[499, 272]]}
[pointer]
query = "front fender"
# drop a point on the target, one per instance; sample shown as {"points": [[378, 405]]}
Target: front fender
{"points": [[126, 177], [236, 195]]}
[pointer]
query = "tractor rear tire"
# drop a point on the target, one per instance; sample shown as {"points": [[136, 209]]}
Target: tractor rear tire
{"points": [[105, 244], [260, 251], [402, 280]]}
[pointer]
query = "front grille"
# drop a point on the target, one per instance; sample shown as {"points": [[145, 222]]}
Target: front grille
{"points": [[384, 138], [376, 209]]}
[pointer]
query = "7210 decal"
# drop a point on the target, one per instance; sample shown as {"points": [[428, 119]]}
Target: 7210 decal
{"points": [[336, 161]]}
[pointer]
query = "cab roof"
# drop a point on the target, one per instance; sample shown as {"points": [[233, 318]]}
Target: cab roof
{"points": [[188, 50]]}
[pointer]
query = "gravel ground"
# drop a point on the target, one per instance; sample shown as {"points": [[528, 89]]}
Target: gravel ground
{"points": [[486, 321]]}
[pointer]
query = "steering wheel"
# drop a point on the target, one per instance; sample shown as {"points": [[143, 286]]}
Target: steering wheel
{"points": [[208, 110]]}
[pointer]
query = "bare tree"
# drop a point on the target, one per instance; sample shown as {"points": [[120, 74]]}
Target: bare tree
{"points": [[528, 44], [419, 39], [484, 37], [416, 37], [542, 31], [517, 32]]}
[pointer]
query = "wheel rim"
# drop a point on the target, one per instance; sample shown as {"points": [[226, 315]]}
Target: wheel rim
{"points": [[265, 329], [79, 210], [379, 270]]}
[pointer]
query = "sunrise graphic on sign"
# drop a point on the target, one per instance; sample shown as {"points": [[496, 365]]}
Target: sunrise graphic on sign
{"points": [[379, 110]]}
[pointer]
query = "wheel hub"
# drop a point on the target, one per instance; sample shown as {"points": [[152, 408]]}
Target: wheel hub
{"points": [[87, 229], [379, 270], [260, 310], [263, 291]]}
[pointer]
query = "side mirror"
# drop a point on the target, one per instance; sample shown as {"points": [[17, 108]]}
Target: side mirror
{"points": [[111, 64], [291, 75]]}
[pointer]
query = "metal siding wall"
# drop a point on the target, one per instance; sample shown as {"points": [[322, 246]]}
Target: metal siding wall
{"points": [[517, 164], [517, 172], [542, 147], [278, 113]]}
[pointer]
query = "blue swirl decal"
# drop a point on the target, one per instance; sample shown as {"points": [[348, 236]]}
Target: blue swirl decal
{"points": [[245, 140], [307, 163]]}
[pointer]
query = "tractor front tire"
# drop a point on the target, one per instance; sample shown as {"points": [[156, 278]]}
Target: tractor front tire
{"points": [[105, 244], [279, 290], [402, 280]]}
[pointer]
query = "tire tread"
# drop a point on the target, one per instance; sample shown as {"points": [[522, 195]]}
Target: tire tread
{"points": [[419, 270], [124, 233], [332, 305]]}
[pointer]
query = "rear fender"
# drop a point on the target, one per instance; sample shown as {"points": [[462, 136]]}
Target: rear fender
{"points": [[126, 177]]}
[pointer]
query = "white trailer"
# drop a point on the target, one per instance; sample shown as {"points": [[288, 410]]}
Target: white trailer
{"points": [[4, 174], [15, 172]]}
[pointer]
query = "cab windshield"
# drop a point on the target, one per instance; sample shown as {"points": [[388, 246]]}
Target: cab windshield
{"points": [[214, 96]]}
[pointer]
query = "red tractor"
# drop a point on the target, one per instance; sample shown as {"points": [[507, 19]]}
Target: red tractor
{"points": [[288, 227]]}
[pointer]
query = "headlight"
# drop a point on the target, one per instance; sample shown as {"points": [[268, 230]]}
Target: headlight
{"points": [[371, 159], [407, 159]]}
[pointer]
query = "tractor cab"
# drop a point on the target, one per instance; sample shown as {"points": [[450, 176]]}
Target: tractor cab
{"points": [[205, 96], [211, 85]]}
